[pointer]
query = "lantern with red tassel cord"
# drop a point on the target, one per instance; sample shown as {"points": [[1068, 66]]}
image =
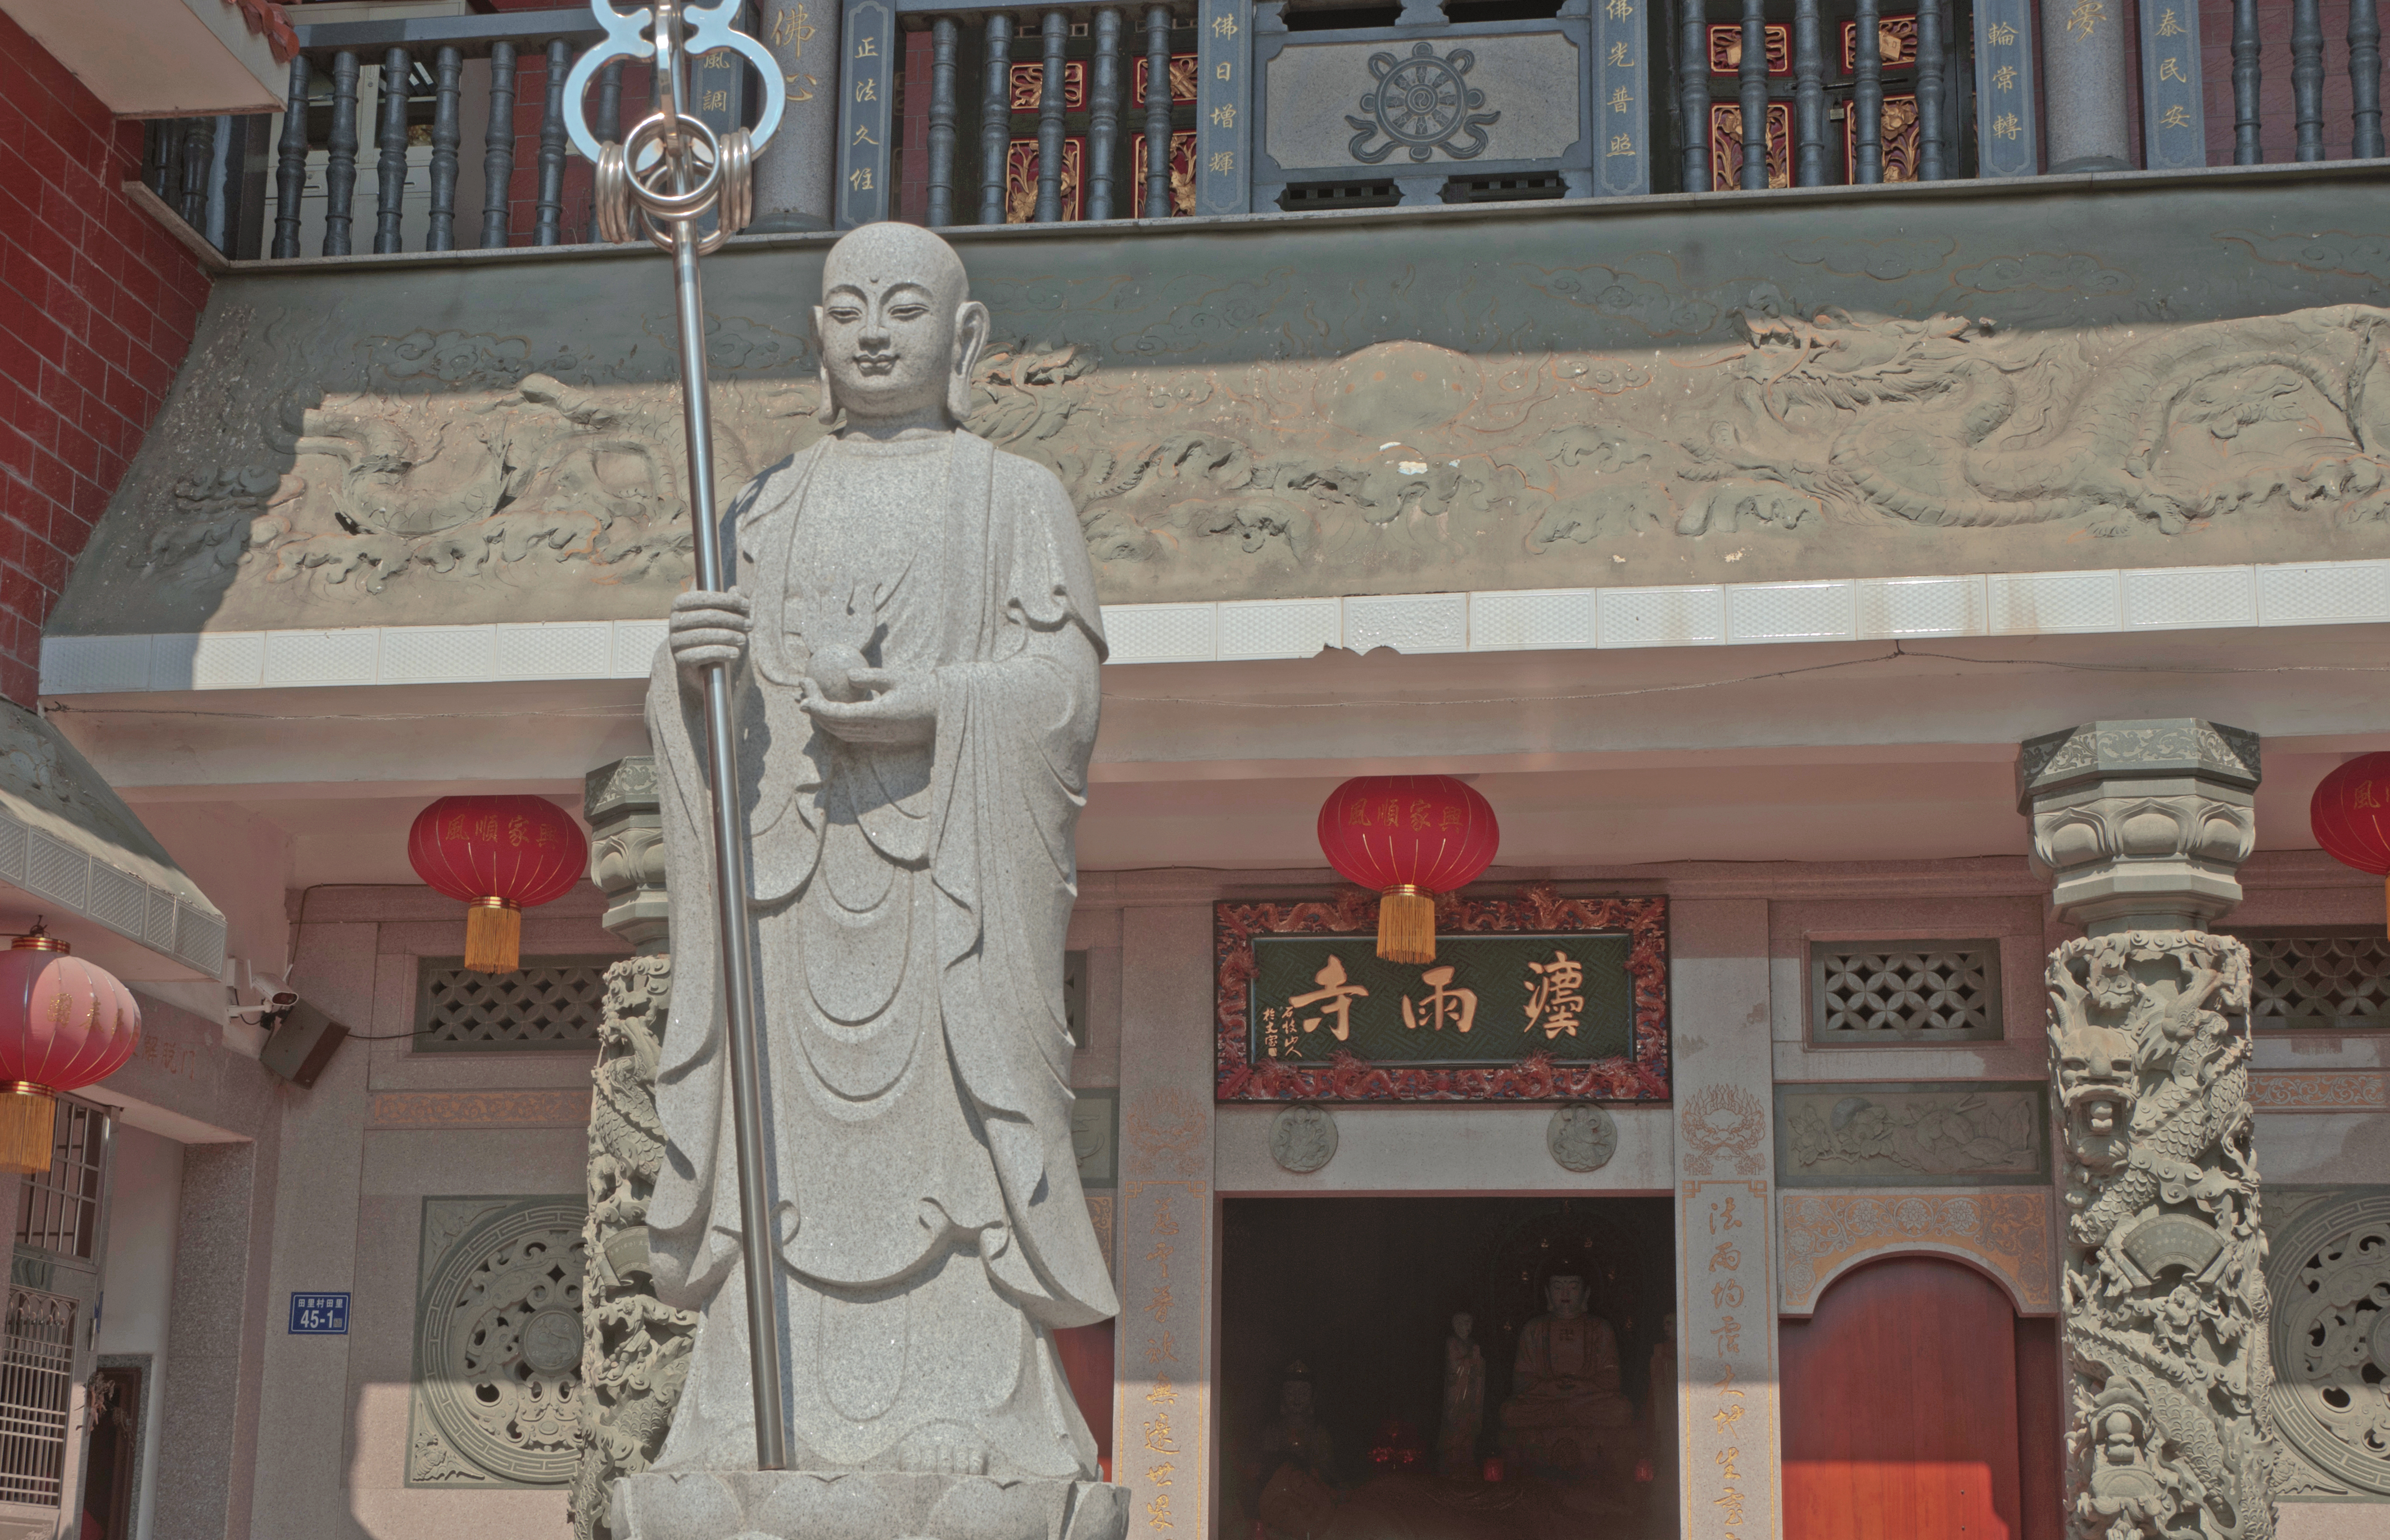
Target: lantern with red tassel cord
{"points": [[1408, 837], [2350, 814], [65, 1024], [501, 856]]}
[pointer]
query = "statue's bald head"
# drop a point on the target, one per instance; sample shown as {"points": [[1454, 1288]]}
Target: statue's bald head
{"points": [[899, 332], [891, 250]]}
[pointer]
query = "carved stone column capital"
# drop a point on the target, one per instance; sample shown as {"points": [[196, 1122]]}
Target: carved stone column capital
{"points": [[2141, 825], [626, 851]]}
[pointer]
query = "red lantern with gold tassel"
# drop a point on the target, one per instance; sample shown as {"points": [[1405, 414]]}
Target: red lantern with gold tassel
{"points": [[65, 1024], [501, 856], [2350, 815], [1408, 837]]}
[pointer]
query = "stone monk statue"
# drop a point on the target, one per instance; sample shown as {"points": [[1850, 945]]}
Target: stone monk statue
{"points": [[914, 638]]}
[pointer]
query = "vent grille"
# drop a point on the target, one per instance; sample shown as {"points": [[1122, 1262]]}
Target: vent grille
{"points": [[1924, 992], [550, 1003], [1306, 197], [2318, 982]]}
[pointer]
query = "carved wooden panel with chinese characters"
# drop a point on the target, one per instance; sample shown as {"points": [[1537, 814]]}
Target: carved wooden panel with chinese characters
{"points": [[1536, 998]]}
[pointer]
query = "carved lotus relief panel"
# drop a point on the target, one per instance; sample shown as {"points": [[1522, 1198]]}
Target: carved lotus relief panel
{"points": [[2329, 1273], [498, 1397], [1957, 1134]]}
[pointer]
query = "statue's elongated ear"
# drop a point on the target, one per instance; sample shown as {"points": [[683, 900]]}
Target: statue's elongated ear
{"points": [[970, 340], [828, 410]]}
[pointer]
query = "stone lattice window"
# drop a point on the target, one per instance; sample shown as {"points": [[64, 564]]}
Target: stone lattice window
{"points": [[1875, 996], [2320, 982], [550, 1003]]}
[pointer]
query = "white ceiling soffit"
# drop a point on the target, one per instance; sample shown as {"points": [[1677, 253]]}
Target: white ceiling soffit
{"points": [[159, 58], [71, 852]]}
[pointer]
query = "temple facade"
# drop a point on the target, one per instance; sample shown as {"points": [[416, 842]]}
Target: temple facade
{"points": [[1883, 499]]}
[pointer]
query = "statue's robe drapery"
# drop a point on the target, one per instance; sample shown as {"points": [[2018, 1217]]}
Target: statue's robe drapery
{"points": [[907, 914], [1568, 1381]]}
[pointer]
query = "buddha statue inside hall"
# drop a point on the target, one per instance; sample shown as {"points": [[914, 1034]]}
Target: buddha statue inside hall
{"points": [[1566, 1413]]}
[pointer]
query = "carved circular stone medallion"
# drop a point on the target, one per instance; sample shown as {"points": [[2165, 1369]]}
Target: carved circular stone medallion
{"points": [[2328, 1274], [1303, 1138], [1582, 1136], [551, 1342], [498, 1343]]}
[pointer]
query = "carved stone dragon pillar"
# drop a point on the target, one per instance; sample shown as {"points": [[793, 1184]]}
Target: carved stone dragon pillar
{"points": [[2144, 827], [634, 1350]]}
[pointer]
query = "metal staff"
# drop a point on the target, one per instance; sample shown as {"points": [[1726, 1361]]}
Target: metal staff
{"points": [[668, 174]]}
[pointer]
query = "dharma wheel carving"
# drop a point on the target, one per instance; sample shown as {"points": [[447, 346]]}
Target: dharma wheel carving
{"points": [[2330, 1278], [1422, 103], [497, 1345]]}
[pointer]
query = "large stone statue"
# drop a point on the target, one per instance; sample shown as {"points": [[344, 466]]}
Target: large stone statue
{"points": [[914, 641], [1566, 1411]]}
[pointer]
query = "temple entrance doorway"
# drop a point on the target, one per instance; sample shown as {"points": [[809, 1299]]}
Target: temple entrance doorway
{"points": [[1446, 1369], [1916, 1402]]}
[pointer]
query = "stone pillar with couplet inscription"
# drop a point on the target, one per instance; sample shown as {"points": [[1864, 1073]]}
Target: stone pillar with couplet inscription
{"points": [[635, 1352], [2143, 826], [795, 174], [2083, 78]]}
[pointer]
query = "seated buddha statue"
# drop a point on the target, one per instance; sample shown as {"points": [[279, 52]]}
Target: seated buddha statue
{"points": [[1566, 1411]]}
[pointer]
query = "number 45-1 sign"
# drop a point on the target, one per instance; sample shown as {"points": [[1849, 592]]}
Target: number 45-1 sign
{"points": [[319, 1315]]}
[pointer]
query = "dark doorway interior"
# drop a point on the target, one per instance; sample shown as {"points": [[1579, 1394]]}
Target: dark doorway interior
{"points": [[1360, 1292], [108, 1468]]}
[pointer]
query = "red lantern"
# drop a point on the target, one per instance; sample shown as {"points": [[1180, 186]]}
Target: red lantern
{"points": [[502, 855], [1408, 837], [2350, 815], [64, 1024]]}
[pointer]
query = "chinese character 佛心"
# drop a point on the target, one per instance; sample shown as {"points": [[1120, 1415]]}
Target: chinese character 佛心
{"points": [[1556, 998], [1443, 1003]]}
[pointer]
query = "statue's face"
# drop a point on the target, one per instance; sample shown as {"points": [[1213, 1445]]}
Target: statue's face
{"points": [[893, 322], [1461, 1324], [1567, 1297], [1294, 1400]]}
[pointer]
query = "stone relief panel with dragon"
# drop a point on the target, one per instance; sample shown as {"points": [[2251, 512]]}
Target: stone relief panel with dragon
{"points": [[1233, 428]]}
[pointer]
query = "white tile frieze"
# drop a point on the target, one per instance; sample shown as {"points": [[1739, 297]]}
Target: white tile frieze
{"points": [[1745, 614]]}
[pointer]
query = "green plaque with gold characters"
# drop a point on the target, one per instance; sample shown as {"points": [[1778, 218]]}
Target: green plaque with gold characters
{"points": [[1535, 997]]}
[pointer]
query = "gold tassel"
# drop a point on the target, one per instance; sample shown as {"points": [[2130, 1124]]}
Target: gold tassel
{"points": [[493, 936], [28, 1123], [1406, 925]]}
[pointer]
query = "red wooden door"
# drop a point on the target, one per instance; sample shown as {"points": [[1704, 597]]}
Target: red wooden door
{"points": [[1900, 1409]]}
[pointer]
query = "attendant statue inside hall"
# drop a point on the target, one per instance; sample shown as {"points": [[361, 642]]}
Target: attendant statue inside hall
{"points": [[1566, 1412], [913, 640]]}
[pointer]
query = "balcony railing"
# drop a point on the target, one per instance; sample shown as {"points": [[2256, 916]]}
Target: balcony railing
{"points": [[1091, 113]]}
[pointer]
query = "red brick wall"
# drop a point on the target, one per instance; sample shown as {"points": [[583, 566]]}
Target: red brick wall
{"points": [[97, 306]]}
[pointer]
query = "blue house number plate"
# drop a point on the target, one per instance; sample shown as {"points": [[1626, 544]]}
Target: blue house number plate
{"points": [[319, 1315]]}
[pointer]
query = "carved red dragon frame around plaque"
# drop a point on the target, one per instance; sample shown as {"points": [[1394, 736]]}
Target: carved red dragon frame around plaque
{"points": [[1534, 997]]}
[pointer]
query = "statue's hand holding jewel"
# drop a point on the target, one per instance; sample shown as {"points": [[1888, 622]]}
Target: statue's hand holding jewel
{"points": [[902, 708], [707, 628]]}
